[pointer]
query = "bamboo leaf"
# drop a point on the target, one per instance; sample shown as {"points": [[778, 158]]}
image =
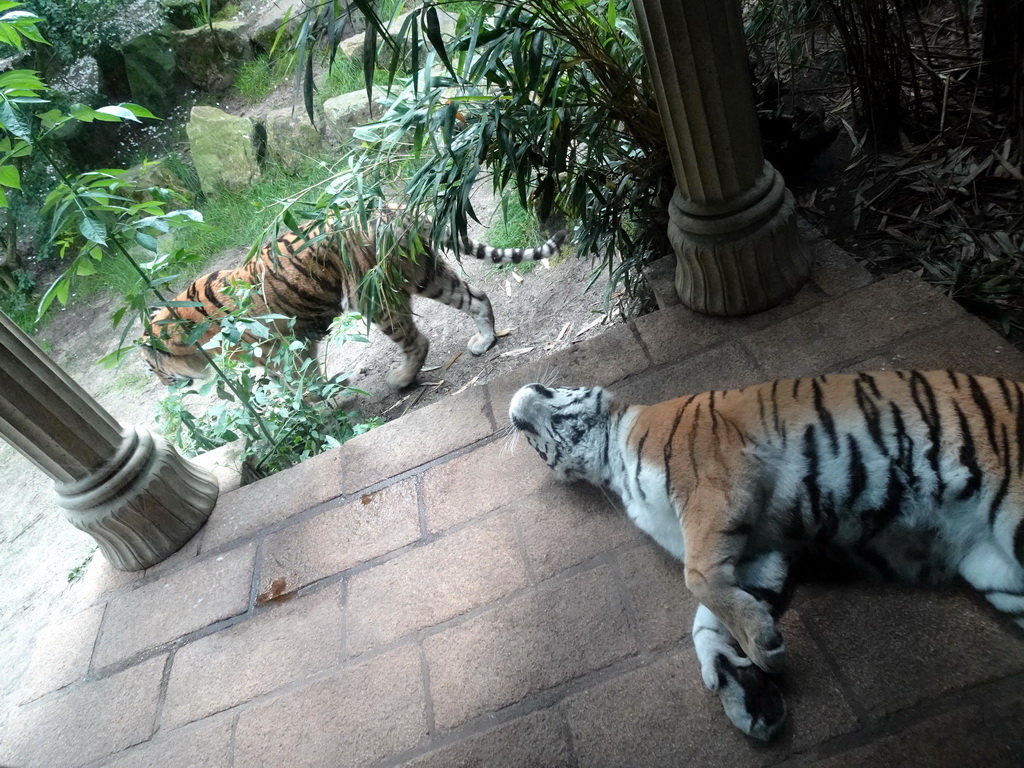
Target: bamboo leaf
{"points": [[432, 27], [535, 59], [370, 60], [307, 86], [414, 52]]}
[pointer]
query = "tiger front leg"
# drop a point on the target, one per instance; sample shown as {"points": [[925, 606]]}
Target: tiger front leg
{"points": [[748, 619], [750, 697], [715, 552]]}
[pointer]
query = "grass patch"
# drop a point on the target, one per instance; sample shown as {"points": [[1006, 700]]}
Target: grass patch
{"points": [[518, 229], [113, 275], [238, 218], [258, 78], [471, 8], [345, 76], [228, 12], [132, 379]]}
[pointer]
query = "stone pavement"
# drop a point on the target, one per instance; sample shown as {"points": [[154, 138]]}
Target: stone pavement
{"points": [[423, 596]]}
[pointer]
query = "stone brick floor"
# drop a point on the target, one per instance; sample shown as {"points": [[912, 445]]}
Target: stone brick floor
{"points": [[422, 596]]}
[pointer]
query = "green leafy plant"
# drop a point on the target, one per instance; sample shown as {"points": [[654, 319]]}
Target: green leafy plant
{"points": [[79, 570], [286, 418], [76, 28], [19, 303], [96, 217], [549, 98]]}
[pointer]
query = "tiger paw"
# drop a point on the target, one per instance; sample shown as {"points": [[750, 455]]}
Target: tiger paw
{"points": [[479, 343], [751, 699], [769, 651], [401, 376]]}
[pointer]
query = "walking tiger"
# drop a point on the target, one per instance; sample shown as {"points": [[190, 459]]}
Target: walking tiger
{"points": [[917, 476], [314, 280]]}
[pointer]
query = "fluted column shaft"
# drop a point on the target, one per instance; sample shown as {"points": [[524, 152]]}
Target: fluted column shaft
{"points": [[732, 222], [126, 487]]}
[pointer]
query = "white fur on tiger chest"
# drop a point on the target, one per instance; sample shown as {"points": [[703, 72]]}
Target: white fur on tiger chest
{"points": [[650, 508]]}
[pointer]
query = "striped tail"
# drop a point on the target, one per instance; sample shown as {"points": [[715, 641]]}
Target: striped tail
{"points": [[471, 247]]}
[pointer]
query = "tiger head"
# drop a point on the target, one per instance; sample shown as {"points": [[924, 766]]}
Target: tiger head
{"points": [[176, 363], [568, 427]]}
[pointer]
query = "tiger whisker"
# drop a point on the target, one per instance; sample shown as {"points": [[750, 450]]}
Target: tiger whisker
{"points": [[549, 375], [509, 439], [608, 497]]}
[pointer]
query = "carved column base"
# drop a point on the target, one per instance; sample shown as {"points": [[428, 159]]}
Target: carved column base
{"points": [[142, 505], [743, 259]]}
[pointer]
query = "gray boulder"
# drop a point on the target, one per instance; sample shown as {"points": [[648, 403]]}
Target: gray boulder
{"points": [[225, 149], [263, 31], [291, 139], [155, 179], [343, 113], [353, 47], [151, 70], [185, 13], [210, 58]]}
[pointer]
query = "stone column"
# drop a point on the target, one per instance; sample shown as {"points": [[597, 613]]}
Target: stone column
{"points": [[732, 222], [127, 488]]}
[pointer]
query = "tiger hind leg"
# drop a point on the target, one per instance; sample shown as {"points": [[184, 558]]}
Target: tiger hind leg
{"points": [[998, 576], [750, 697], [448, 288], [400, 327]]}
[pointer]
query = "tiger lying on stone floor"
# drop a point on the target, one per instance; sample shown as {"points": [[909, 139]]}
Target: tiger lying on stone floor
{"points": [[309, 281], [916, 476]]}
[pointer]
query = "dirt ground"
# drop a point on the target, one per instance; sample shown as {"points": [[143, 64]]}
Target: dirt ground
{"points": [[546, 310]]}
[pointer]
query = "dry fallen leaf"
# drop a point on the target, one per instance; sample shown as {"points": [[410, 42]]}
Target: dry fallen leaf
{"points": [[467, 385], [516, 352], [588, 326], [278, 588], [395, 405]]}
